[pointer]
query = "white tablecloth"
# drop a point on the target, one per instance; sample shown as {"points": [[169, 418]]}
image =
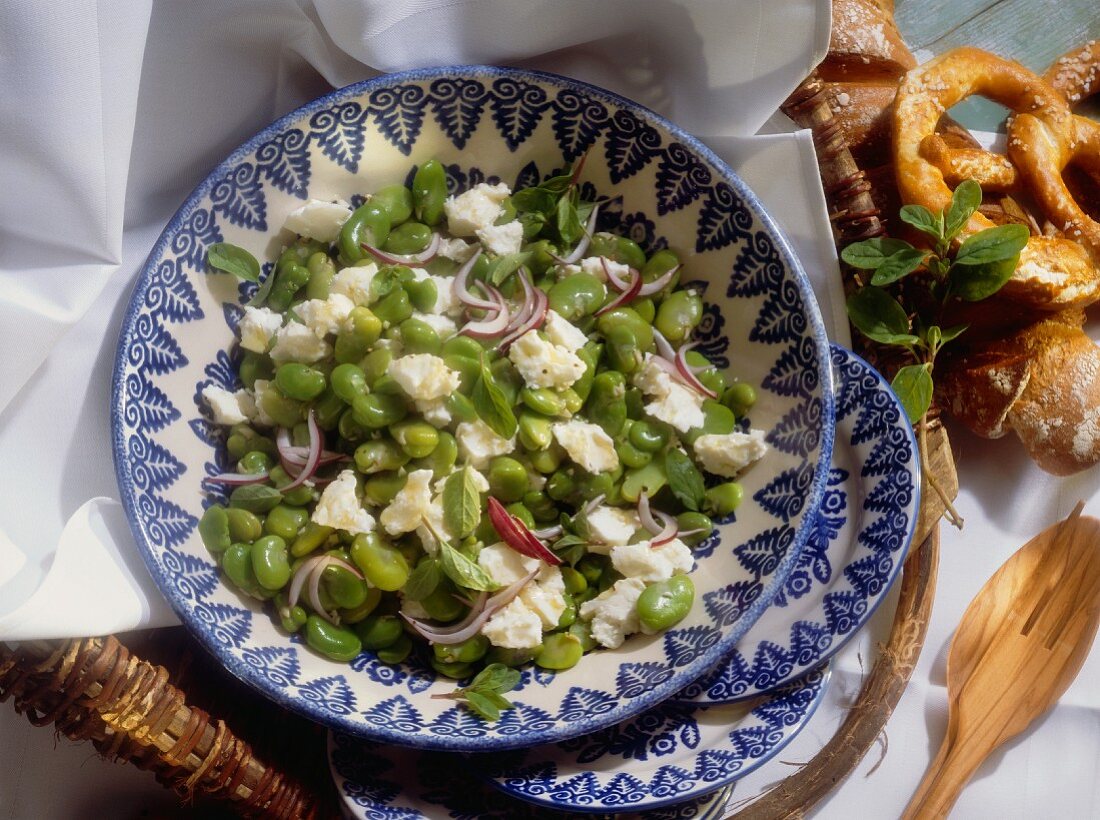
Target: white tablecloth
{"points": [[112, 112]]}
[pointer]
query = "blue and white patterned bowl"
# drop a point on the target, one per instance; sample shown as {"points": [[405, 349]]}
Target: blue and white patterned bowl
{"points": [[482, 124]]}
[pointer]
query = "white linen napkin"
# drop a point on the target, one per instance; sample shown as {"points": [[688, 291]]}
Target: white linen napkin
{"points": [[150, 96]]}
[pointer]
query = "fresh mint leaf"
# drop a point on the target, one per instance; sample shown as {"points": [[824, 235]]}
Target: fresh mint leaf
{"points": [[568, 222], [878, 316], [952, 333], [461, 502], [923, 220], [684, 479], [492, 405], [966, 199], [898, 265], [464, 572], [235, 260], [482, 705], [998, 244], [871, 253], [973, 283], [504, 266], [260, 296], [496, 677], [913, 386], [535, 200], [423, 580]]}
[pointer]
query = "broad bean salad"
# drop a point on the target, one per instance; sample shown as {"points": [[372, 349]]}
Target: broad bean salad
{"points": [[472, 427]]}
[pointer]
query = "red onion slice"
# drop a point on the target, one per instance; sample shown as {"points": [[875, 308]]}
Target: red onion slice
{"points": [[484, 608], [546, 533], [300, 576], [237, 479], [661, 525], [493, 325], [412, 260], [613, 277], [515, 534], [664, 347], [540, 303], [578, 252], [660, 282], [628, 294], [316, 444], [688, 374], [462, 293]]}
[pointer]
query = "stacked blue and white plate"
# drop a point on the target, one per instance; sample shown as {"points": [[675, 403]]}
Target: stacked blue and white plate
{"points": [[663, 725]]}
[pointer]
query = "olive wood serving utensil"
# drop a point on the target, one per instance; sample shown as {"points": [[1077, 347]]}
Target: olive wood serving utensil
{"points": [[1019, 645]]}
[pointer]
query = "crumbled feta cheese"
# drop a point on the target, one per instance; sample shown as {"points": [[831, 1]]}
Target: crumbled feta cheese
{"points": [[673, 403], [257, 326], [563, 333], [545, 595], [566, 270], [543, 364], [339, 507], [612, 613], [445, 300], [502, 239], [456, 250], [587, 445], [318, 220], [433, 523], [434, 411], [610, 527], [651, 378], [229, 407], [424, 376], [515, 626], [648, 563], [444, 326], [594, 266], [411, 504], [297, 343], [477, 208], [261, 418], [504, 565], [727, 455], [325, 316], [535, 480], [478, 443], [354, 282]]}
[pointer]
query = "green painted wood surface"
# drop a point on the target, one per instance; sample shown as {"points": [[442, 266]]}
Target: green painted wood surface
{"points": [[1034, 32]]}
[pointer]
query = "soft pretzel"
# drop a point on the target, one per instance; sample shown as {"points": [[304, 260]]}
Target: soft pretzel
{"points": [[1076, 74], [1053, 273]]}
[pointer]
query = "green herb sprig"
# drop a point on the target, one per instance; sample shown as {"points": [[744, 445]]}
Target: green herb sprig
{"points": [[980, 267], [485, 694]]}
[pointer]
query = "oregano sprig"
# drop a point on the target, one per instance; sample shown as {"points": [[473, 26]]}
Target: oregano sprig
{"points": [[977, 269], [485, 694]]}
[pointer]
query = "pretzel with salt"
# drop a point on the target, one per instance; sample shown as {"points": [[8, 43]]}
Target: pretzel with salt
{"points": [[1054, 273]]}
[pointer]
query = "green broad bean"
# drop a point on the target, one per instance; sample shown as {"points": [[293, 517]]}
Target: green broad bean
{"points": [[535, 431], [542, 256], [429, 192], [376, 410], [396, 652], [582, 631], [679, 314], [417, 438], [739, 397], [215, 531], [349, 429], [299, 381], [507, 479], [285, 521], [381, 563], [291, 618], [442, 459], [419, 337], [658, 265], [574, 401], [646, 309], [359, 331], [469, 651], [270, 564], [712, 377], [605, 405], [569, 614], [243, 440], [648, 436], [617, 248], [642, 329], [697, 523], [243, 525], [343, 588], [578, 295], [394, 307], [649, 479], [561, 485], [300, 496], [463, 346], [336, 642], [461, 407], [255, 462], [542, 400], [255, 366], [379, 455], [560, 650], [592, 485], [441, 605], [542, 508], [423, 294], [375, 364], [575, 582], [509, 657], [327, 409], [592, 567], [289, 279], [379, 631], [623, 351], [380, 489], [411, 237], [370, 603], [321, 273], [517, 509], [635, 403], [468, 370], [397, 202], [455, 671], [631, 456], [724, 498], [665, 603], [369, 223], [312, 537], [285, 411], [236, 563], [387, 385], [717, 419], [548, 460]]}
